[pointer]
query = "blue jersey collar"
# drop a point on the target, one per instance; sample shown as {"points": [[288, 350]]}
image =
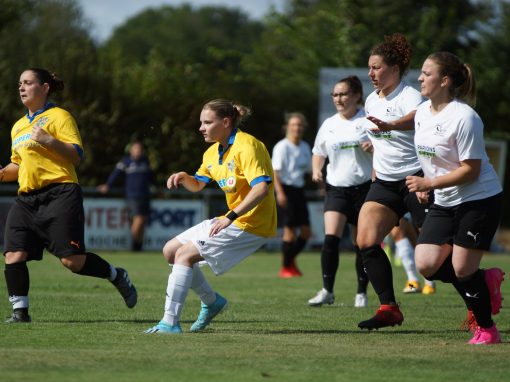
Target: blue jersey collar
{"points": [[222, 150], [48, 105]]}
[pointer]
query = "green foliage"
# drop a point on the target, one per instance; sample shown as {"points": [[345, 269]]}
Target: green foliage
{"points": [[165, 63], [82, 331]]}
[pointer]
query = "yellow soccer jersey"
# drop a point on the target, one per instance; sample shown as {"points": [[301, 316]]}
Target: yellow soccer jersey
{"points": [[38, 166], [245, 163]]}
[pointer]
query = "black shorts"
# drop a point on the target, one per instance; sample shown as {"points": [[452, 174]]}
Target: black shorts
{"points": [[346, 200], [296, 212], [469, 225], [396, 195], [138, 206], [50, 218]]}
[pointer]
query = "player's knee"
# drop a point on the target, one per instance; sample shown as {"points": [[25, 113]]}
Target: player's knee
{"points": [[169, 251], [15, 257], [74, 262], [305, 233], [371, 252], [331, 242]]}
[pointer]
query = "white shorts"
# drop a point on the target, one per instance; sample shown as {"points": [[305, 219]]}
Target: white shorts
{"points": [[225, 249]]}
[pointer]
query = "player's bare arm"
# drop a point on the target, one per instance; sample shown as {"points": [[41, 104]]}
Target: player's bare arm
{"points": [[184, 179]]}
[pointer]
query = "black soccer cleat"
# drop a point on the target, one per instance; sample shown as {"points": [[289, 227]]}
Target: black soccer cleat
{"points": [[386, 315], [125, 287], [18, 317]]}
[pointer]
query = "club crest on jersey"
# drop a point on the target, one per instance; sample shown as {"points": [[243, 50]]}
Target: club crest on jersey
{"points": [[439, 130], [41, 122], [231, 166], [391, 112]]}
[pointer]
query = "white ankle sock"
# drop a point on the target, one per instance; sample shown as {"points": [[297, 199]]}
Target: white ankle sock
{"points": [[405, 251], [201, 287], [179, 282], [18, 302]]}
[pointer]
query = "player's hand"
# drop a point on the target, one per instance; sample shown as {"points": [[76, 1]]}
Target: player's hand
{"points": [[317, 177], [218, 225], [423, 197], [281, 199], [380, 124], [41, 136], [367, 146], [103, 188], [175, 179], [417, 184]]}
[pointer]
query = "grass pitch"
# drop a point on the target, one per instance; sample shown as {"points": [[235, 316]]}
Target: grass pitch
{"points": [[82, 331]]}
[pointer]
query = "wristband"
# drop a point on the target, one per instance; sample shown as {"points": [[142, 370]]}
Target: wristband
{"points": [[231, 215]]}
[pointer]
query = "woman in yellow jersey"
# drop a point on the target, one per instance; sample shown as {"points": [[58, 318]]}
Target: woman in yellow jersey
{"points": [[241, 166], [48, 212]]}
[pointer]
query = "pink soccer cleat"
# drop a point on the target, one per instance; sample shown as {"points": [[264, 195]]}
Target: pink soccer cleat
{"points": [[486, 336]]}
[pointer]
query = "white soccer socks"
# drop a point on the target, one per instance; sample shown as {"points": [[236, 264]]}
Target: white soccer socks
{"points": [[179, 282], [201, 286], [405, 251]]}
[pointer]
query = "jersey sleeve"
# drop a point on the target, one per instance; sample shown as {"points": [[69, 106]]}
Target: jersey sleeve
{"points": [[256, 164], [470, 138], [68, 132], [203, 174], [319, 146], [277, 159], [410, 101]]}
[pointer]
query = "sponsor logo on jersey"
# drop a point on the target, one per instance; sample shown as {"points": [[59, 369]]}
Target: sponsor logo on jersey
{"points": [[344, 145], [426, 151], [228, 185], [379, 134]]}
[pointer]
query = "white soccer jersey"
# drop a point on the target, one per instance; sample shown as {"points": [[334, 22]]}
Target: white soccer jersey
{"points": [[445, 139], [292, 162], [394, 154], [339, 140]]}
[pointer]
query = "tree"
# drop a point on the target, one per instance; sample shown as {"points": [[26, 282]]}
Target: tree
{"points": [[311, 34], [51, 34], [164, 64]]}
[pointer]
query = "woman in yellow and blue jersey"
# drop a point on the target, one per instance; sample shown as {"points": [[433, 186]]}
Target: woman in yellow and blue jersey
{"points": [[241, 166], [48, 211]]}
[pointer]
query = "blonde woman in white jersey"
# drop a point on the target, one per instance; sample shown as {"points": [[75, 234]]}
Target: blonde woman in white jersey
{"points": [[390, 123], [292, 160], [344, 142], [466, 212]]}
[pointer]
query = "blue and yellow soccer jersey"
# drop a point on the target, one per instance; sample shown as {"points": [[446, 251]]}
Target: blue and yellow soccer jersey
{"points": [[245, 163], [38, 166]]}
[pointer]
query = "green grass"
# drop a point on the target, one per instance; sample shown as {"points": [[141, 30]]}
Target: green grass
{"points": [[82, 331]]}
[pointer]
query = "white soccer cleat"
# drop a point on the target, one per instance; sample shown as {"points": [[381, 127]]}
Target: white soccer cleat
{"points": [[361, 300], [322, 297]]}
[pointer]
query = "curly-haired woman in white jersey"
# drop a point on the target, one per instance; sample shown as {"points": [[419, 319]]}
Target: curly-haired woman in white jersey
{"points": [[390, 112], [466, 212]]}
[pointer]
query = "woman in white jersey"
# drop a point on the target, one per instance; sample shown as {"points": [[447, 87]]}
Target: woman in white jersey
{"points": [[343, 141], [292, 158], [390, 112], [466, 212]]}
